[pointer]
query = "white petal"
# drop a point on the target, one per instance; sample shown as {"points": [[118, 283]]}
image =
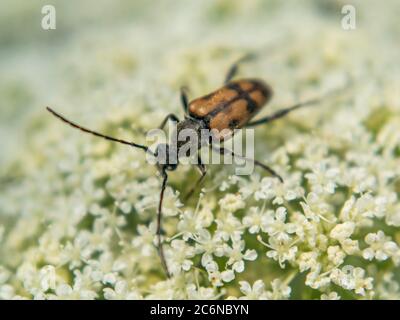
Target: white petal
{"points": [[250, 255], [245, 287], [228, 275], [238, 266], [258, 286], [368, 254]]}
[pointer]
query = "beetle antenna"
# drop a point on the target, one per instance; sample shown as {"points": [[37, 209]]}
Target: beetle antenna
{"points": [[159, 215], [72, 124]]}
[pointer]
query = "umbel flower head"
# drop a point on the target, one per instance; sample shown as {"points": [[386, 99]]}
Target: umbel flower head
{"points": [[77, 214]]}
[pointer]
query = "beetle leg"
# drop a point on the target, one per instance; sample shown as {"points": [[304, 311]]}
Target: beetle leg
{"points": [[283, 112], [235, 67], [203, 170], [172, 117], [159, 215], [223, 150], [184, 99]]}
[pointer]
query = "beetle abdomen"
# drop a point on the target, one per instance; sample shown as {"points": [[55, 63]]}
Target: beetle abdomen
{"points": [[233, 105]]}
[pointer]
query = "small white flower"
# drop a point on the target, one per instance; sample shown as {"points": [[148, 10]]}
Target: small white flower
{"points": [[191, 222], [336, 255], [102, 268], [255, 292], [351, 278], [201, 293], [272, 188], [253, 220], [380, 246], [228, 227], [171, 203], [144, 241], [237, 256], [66, 292], [307, 260], [359, 179], [323, 179], [216, 277], [47, 276], [163, 290], [231, 202], [178, 257], [317, 280], [392, 217], [350, 246], [121, 292], [314, 207], [125, 207], [361, 283], [343, 231], [279, 291], [63, 290], [226, 184], [350, 212], [208, 246], [306, 230], [276, 226], [251, 187], [281, 250]]}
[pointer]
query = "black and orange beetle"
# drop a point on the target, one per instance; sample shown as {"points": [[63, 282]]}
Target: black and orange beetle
{"points": [[230, 107]]}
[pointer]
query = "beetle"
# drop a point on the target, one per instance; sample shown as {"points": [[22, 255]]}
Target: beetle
{"points": [[228, 108]]}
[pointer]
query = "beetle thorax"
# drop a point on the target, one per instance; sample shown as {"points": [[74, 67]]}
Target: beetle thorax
{"points": [[188, 132]]}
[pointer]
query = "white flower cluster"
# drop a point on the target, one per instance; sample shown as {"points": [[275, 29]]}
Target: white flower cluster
{"points": [[77, 214]]}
